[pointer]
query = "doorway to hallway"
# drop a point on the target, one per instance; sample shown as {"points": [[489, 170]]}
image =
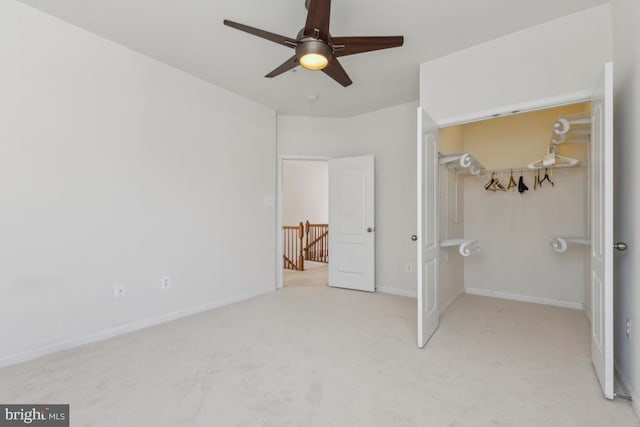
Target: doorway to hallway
{"points": [[305, 206]]}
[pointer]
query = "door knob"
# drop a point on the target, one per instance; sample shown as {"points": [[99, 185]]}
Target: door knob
{"points": [[370, 230], [414, 238], [620, 246]]}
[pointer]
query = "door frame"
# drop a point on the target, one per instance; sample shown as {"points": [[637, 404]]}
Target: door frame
{"points": [[280, 170]]}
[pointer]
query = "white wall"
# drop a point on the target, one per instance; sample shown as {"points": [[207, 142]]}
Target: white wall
{"points": [[117, 169], [390, 135], [558, 57], [305, 192], [626, 37]]}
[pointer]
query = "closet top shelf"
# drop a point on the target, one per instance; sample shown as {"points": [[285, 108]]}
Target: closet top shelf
{"points": [[464, 163]]}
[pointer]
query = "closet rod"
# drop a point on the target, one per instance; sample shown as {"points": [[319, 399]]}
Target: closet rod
{"points": [[501, 171], [519, 170]]}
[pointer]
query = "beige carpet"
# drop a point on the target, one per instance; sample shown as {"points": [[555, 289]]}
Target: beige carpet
{"points": [[317, 356], [314, 274]]}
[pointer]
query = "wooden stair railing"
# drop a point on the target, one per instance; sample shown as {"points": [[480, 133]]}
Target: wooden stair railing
{"points": [[292, 247], [317, 248]]}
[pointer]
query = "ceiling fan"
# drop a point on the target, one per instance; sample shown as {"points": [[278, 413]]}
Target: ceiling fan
{"points": [[316, 48]]}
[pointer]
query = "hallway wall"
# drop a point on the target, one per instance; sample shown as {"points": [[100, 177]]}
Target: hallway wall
{"points": [[305, 192]]}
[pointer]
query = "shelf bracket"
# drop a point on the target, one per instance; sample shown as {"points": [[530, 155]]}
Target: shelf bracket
{"points": [[462, 162], [466, 247], [560, 244]]}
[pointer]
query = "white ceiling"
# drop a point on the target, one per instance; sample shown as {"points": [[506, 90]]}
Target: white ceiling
{"points": [[189, 35]]}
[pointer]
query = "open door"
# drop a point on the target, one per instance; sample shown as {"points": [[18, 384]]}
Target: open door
{"points": [[428, 240], [601, 183], [351, 218]]}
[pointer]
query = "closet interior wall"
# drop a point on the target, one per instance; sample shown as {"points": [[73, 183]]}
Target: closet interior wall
{"points": [[513, 229]]}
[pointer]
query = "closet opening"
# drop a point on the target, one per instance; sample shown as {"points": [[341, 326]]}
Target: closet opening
{"points": [[514, 207]]}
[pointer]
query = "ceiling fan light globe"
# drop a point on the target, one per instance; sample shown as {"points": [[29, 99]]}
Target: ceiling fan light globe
{"points": [[314, 61], [313, 54]]}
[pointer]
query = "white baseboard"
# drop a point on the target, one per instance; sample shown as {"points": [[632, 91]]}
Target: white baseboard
{"points": [[122, 329], [524, 298], [622, 381], [446, 305], [396, 291]]}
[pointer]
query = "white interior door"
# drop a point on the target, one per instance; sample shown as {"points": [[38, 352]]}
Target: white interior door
{"points": [[602, 232], [428, 240], [351, 222]]}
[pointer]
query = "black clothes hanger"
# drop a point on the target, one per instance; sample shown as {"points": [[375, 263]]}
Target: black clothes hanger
{"points": [[512, 182], [545, 178], [522, 187]]}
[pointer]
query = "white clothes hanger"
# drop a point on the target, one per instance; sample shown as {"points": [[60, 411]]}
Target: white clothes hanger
{"points": [[553, 160]]}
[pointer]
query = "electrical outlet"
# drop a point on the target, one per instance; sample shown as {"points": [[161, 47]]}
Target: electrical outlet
{"points": [[118, 291], [628, 328], [409, 267], [165, 282]]}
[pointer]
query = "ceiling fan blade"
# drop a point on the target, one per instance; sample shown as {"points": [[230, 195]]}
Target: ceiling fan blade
{"points": [[276, 38], [337, 73], [353, 45], [286, 66], [318, 16]]}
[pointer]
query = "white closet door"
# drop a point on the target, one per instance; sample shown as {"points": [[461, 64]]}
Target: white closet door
{"points": [[601, 184], [428, 225], [351, 222]]}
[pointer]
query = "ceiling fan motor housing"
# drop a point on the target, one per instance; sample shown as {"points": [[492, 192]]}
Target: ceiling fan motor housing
{"points": [[311, 45]]}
